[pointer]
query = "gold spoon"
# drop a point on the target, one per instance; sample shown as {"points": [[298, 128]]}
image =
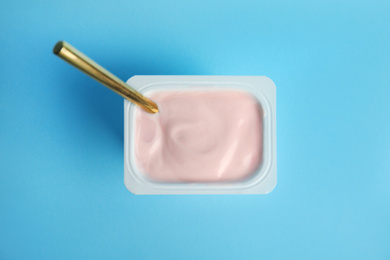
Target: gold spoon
{"points": [[73, 56]]}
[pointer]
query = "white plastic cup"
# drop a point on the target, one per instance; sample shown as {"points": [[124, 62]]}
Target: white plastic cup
{"points": [[262, 181]]}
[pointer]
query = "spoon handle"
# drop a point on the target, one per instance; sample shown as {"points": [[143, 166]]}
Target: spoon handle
{"points": [[73, 56]]}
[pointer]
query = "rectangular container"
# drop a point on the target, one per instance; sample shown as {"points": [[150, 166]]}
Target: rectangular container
{"points": [[260, 87]]}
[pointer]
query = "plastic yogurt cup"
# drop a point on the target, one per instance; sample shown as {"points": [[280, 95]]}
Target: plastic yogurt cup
{"points": [[212, 135]]}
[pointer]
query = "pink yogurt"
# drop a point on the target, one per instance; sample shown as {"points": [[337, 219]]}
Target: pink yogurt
{"points": [[200, 136]]}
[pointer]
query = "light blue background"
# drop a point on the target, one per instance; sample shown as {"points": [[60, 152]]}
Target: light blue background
{"points": [[61, 133]]}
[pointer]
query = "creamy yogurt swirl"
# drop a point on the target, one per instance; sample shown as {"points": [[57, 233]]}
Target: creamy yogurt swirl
{"points": [[199, 136]]}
